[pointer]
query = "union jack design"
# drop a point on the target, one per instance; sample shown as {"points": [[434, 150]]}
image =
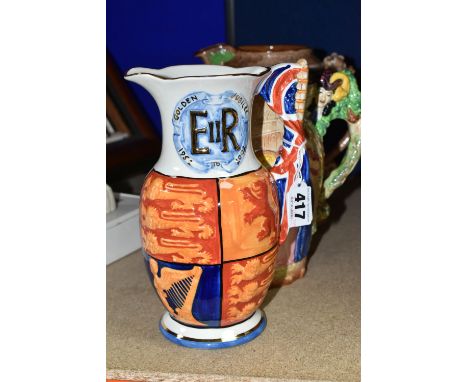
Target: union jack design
{"points": [[280, 92]]}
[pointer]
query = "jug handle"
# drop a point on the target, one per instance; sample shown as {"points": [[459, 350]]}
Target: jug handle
{"points": [[288, 102], [345, 104]]}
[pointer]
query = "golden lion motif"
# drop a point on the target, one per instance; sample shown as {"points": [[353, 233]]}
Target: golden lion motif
{"points": [[249, 282], [249, 271], [178, 219], [256, 194], [189, 195], [246, 293], [181, 224], [181, 249]]}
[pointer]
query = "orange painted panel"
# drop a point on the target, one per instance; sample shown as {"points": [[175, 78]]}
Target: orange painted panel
{"points": [[249, 214], [245, 285], [179, 219]]}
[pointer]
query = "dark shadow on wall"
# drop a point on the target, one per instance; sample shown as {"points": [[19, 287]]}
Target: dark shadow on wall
{"points": [[156, 34], [325, 26]]}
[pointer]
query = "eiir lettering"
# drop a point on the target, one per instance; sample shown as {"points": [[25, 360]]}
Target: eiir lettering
{"points": [[223, 130]]}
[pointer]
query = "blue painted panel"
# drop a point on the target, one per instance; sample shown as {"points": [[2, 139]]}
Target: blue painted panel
{"points": [[207, 302], [281, 186]]}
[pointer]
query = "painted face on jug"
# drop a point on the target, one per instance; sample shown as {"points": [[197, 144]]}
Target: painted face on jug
{"points": [[211, 130], [324, 98]]}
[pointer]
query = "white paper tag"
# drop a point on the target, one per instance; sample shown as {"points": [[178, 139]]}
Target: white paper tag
{"points": [[299, 205]]}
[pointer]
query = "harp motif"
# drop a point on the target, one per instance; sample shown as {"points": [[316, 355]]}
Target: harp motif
{"points": [[176, 289]]}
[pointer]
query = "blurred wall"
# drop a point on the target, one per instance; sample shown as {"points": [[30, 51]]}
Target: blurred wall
{"points": [[159, 33], [325, 25]]}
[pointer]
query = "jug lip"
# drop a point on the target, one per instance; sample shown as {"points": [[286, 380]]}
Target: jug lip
{"points": [[231, 71], [272, 48]]}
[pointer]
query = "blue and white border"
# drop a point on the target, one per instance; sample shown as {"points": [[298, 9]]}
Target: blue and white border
{"points": [[213, 338]]}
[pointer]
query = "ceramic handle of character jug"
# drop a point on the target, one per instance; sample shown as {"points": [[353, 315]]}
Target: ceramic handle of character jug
{"points": [[209, 212], [340, 98]]}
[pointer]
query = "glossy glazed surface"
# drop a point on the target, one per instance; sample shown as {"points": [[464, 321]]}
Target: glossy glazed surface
{"points": [[209, 213], [205, 112], [210, 244], [342, 101], [265, 55], [213, 338]]}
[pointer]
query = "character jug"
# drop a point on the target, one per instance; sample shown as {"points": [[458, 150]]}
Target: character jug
{"points": [[332, 93], [210, 216]]}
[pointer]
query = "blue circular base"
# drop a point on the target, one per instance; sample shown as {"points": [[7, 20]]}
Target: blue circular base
{"points": [[206, 344]]}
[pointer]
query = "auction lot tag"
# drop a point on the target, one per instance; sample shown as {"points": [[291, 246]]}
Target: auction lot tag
{"points": [[299, 205]]}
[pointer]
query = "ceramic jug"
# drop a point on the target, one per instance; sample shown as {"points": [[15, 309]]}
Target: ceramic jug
{"points": [[209, 211], [265, 55], [268, 130]]}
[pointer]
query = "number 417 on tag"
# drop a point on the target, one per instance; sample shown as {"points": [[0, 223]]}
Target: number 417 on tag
{"points": [[300, 205]]}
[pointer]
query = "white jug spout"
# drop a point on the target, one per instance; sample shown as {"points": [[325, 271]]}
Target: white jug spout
{"points": [[136, 74], [152, 80], [147, 78]]}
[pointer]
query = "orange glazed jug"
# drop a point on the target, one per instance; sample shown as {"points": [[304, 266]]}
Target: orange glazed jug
{"points": [[209, 212]]}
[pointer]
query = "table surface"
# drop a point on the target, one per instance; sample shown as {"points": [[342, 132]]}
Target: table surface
{"points": [[313, 330]]}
